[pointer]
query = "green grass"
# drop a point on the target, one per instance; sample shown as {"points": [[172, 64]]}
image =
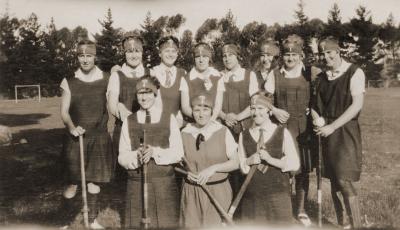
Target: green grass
{"points": [[31, 182]]}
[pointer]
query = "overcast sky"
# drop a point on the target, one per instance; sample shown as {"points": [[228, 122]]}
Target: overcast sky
{"points": [[129, 14]]}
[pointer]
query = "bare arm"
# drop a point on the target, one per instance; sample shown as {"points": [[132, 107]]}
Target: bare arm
{"points": [[185, 103], [218, 104], [65, 103]]}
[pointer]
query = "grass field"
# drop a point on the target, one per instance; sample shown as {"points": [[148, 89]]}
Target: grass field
{"points": [[31, 183]]}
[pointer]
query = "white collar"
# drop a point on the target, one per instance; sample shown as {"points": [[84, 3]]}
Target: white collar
{"points": [[152, 110], [94, 75], [238, 74], [333, 74], [193, 74], [293, 73], [128, 70], [207, 131]]}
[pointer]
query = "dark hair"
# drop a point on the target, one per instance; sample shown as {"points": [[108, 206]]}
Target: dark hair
{"points": [[264, 93], [151, 79], [167, 38], [132, 35]]}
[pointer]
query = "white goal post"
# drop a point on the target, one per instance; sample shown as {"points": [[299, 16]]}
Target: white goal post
{"points": [[25, 86]]}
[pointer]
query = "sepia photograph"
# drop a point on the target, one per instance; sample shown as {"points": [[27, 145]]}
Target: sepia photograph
{"points": [[212, 114]]}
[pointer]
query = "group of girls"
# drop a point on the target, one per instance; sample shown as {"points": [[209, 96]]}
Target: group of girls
{"points": [[220, 122]]}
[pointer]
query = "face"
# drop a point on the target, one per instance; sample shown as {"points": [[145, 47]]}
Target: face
{"points": [[86, 62], [133, 55], [201, 63], [168, 56], [259, 113], [146, 99], [331, 58], [290, 60], [230, 60], [201, 115], [266, 61]]}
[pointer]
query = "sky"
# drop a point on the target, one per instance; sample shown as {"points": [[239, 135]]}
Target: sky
{"points": [[129, 14]]}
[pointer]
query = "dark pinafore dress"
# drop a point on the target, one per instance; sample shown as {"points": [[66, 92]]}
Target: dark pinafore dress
{"points": [[267, 198], [88, 109], [342, 149], [196, 208], [127, 96], [293, 96], [163, 208], [236, 99], [171, 97], [196, 87], [260, 80]]}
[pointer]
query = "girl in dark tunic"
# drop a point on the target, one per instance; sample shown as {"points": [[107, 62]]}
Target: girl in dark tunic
{"points": [[269, 51], [210, 151], [171, 78], [203, 78], [84, 112], [267, 198], [291, 86], [340, 99], [163, 148]]}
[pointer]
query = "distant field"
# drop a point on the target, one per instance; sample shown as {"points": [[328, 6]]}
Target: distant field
{"points": [[31, 185]]}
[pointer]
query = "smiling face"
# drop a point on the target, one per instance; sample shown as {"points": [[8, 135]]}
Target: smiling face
{"points": [[291, 60], [168, 56], [202, 115], [259, 113], [146, 99], [133, 53], [86, 62], [266, 61], [331, 58]]}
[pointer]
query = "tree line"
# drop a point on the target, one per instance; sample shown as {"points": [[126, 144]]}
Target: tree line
{"points": [[34, 54]]}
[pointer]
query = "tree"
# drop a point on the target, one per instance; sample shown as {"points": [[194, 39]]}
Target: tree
{"points": [[335, 27], [108, 44], [334, 15], [300, 16], [30, 53], [251, 36], [186, 60], [8, 62]]}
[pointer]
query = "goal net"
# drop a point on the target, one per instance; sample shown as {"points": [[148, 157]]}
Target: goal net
{"points": [[375, 83], [27, 92]]}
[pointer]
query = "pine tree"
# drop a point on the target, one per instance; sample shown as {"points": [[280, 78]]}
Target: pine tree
{"points": [[334, 15], [8, 62], [251, 36], [300, 16], [108, 44], [31, 53], [151, 37], [186, 60]]}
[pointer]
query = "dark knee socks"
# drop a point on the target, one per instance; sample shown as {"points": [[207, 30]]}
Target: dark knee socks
{"points": [[302, 184]]}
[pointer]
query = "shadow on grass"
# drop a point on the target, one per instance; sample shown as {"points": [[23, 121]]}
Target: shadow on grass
{"points": [[31, 177], [12, 120]]}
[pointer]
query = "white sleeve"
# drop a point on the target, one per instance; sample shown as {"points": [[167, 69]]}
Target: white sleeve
{"points": [[253, 85], [357, 83], [113, 84], [270, 83], [242, 156], [174, 153], [221, 85], [64, 85], [183, 85], [291, 157], [230, 143], [126, 155]]}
